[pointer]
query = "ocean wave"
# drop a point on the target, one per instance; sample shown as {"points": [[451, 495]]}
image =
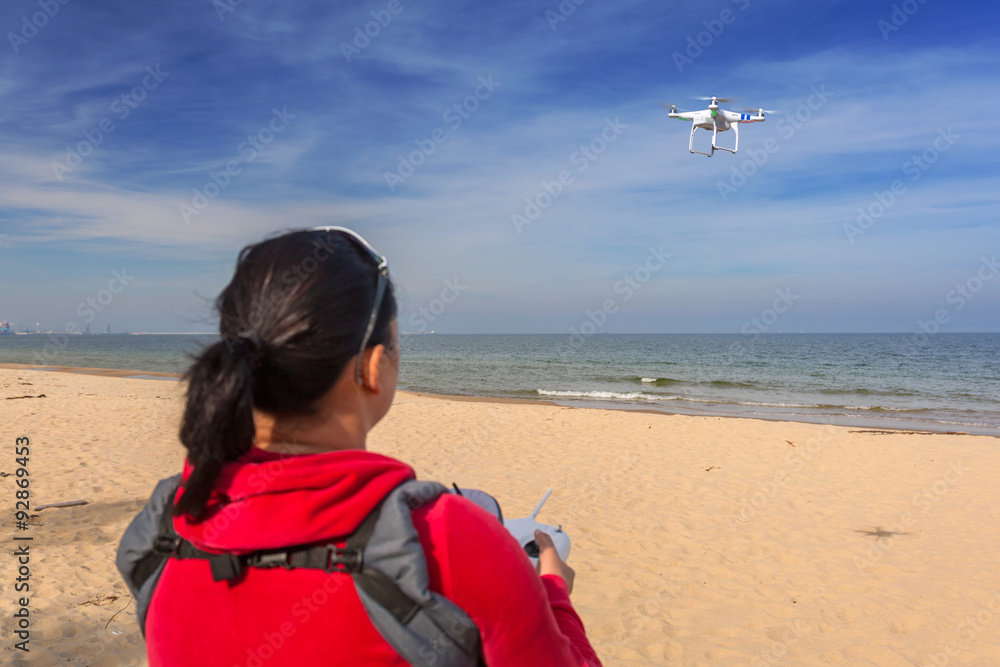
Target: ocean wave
{"points": [[662, 382], [620, 395], [864, 391], [727, 383], [967, 424], [833, 407], [882, 408], [778, 405], [659, 382], [640, 395], [644, 396]]}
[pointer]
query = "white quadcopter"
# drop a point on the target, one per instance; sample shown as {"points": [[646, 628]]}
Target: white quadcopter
{"points": [[717, 120]]}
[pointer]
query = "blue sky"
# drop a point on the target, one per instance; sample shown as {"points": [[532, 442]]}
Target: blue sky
{"points": [[116, 116]]}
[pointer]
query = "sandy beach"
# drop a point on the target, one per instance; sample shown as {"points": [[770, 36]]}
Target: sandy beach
{"points": [[696, 540]]}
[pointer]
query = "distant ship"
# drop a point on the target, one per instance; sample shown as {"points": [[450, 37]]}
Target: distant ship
{"points": [[6, 329]]}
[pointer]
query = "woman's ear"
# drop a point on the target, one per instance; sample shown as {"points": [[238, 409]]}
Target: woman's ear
{"points": [[371, 370], [380, 359]]}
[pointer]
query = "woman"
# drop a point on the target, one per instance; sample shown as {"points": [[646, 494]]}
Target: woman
{"points": [[275, 426]]}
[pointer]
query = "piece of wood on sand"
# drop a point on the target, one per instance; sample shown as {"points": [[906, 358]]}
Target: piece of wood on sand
{"points": [[65, 503]]}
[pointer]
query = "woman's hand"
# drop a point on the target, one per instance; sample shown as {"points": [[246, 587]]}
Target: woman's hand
{"points": [[549, 561]]}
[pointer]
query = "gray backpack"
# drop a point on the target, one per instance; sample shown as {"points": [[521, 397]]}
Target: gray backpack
{"points": [[383, 557]]}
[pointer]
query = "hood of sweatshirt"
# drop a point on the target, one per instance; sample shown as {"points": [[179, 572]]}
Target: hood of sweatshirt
{"points": [[266, 500]]}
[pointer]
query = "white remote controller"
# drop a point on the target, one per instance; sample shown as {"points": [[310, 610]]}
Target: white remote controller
{"points": [[524, 529]]}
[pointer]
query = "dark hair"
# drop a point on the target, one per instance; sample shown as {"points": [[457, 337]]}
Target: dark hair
{"points": [[291, 318]]}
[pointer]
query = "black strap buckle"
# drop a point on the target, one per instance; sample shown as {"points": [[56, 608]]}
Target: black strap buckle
{"points": [[166, 544], [344, 560], [225, 567], [266, 560]]}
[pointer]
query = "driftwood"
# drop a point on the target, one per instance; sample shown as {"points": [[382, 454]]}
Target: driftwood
{"points": [[11, 398], [65, 503]]}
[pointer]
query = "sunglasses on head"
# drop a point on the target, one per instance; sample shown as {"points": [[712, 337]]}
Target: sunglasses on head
{"points": [[382, 268]]}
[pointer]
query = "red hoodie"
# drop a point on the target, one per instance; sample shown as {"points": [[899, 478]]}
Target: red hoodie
{"points": [[271, 617]]}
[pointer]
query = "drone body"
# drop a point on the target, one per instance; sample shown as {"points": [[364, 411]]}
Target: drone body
{"points": [[716, 120]]}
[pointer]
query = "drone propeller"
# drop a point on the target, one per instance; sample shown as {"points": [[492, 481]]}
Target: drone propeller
{"points": [[671, 107], [763, 110], [722, 100]]}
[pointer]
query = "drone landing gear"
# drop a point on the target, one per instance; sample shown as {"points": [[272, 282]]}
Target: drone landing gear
{"points": [[715, 133], [691, 143]]}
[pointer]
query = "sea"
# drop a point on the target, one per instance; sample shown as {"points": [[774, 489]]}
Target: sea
{"points": [[940, 382]]}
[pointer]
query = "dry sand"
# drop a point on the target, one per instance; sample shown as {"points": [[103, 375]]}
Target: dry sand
{"points": [[696, 540]]}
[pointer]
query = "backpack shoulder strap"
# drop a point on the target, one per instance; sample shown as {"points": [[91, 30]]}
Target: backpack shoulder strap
{"points": [[434, 632], [149, 563], [375, 583], [138, 560]]}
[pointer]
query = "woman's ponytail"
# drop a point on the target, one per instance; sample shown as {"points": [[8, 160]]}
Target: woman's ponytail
{"points": [[218, 419]]}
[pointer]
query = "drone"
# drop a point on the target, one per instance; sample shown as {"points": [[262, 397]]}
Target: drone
{"points": [[717, 120]]}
